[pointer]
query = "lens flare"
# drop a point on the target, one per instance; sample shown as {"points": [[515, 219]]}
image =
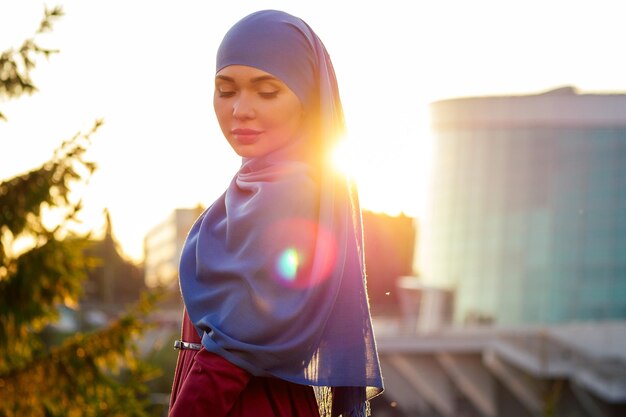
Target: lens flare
{"points": [[302, 253], [287, 264]]}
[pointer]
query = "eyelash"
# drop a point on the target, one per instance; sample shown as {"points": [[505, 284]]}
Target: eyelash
{"points": [[269, 95]]}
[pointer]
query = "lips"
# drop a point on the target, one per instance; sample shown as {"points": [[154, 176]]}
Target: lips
{"points": [[246, 136]]}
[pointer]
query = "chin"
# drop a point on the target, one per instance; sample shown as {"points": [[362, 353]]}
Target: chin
{"points": [[247, 153]]}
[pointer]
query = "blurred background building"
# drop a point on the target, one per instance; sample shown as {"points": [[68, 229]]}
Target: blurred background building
{"points": [[114, 280], [518, 303], [112, 283], [389, 243], [163, 244], [529, 207]]}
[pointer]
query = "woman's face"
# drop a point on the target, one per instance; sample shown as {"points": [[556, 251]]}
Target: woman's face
{"points": [[256, 111]]}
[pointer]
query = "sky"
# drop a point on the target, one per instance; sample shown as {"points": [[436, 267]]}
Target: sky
{"points": [[146, 68]]}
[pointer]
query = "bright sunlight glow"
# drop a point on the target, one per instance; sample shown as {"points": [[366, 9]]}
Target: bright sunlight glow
{"points": [[345, 159]]}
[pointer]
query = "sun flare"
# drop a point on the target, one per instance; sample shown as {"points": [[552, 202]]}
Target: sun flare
{"points": [[345, 159]]}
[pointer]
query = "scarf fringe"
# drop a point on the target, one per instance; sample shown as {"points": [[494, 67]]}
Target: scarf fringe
{"points": [[324, 397]]}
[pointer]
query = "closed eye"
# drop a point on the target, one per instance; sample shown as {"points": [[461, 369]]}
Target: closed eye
{"points": [[225, 93], [268, 95]]}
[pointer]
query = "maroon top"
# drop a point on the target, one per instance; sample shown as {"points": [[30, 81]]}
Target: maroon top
{"points": [[205, 384]]}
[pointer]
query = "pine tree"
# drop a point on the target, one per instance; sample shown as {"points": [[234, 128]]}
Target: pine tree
{"points": [[42, 267]]}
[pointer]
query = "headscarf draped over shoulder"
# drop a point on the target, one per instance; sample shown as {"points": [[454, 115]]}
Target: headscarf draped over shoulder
{"points": [[272, 274]]}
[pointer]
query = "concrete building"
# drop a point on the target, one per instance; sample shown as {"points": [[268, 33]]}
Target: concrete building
{"points": [[496, 371], [521, 305], [163, 244], [389, 243], [528, 220], [114, 280]]}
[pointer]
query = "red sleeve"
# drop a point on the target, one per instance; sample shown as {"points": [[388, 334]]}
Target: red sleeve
{"points": [[212, 387]]}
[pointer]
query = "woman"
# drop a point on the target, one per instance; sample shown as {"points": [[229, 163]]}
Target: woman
{"points": [[272, 274]]}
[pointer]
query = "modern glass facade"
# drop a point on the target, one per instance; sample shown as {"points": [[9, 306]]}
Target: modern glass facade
{"points": [[528, 221]]}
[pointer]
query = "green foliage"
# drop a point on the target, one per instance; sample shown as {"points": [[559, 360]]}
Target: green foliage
{"points": [[35, 282], [16, 64], [88, 375], [43, 266]]}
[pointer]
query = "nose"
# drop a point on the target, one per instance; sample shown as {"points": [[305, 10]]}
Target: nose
{"points": [[243, 107]]}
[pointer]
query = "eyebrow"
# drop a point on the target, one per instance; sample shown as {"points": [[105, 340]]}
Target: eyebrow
{"points": [[253, 80]]}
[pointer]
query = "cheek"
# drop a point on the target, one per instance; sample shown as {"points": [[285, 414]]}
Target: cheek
{"points": [[289, 117], [294, 121]]}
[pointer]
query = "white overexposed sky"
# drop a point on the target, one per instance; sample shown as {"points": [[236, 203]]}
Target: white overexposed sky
{"points": [[146, 68]]}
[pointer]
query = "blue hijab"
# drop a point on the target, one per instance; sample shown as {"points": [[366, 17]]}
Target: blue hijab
{"points": [[272, 273]]}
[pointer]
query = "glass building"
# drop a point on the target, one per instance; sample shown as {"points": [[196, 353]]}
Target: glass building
{"points": [[528, 219]]}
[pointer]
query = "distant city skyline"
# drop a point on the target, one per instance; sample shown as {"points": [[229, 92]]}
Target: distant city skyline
{"points": [[146, 69]]}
